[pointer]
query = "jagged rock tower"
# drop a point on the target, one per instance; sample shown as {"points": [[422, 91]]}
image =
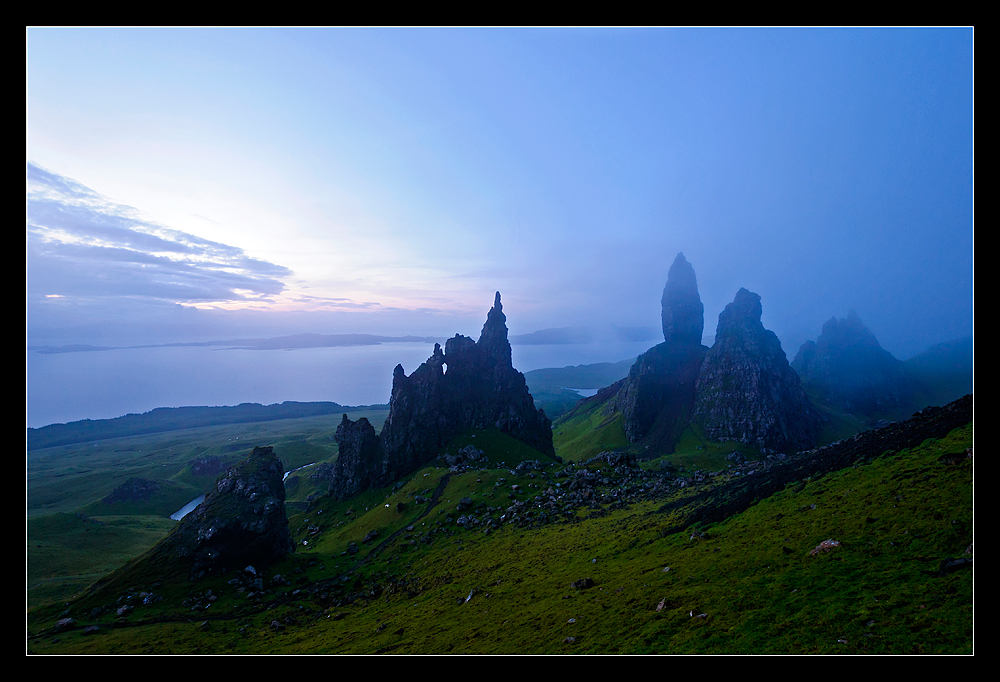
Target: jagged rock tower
{"points": [[747, 391], [657, 396], [481, 389], [849, 367]]}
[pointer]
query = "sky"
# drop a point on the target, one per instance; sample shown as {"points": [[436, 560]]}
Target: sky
{"points": [[193, 184]]}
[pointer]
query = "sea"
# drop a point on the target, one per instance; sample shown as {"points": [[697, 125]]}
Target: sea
{"points": [[65, 387]]}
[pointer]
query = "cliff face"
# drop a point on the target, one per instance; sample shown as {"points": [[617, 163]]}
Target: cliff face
{"points": [[479, 390], [849, 367], [657, 397], [242, 521], [747, 391]]}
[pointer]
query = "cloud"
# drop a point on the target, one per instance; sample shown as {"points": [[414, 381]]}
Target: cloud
{"points": [[80, 243]]}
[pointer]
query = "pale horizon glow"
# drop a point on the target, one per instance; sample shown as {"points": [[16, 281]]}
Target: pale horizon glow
{"points": [[190, 184]]}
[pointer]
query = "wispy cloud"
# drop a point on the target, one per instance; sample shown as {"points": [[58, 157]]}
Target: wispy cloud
{"points": [[81, 243]]}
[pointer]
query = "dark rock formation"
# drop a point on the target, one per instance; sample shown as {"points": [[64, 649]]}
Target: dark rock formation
{"points": [[657, 396], [746, 391], [683, 314], [849, 368], [480, 390], [242, 521], [359, 464], [209, 465], [133, 490]]}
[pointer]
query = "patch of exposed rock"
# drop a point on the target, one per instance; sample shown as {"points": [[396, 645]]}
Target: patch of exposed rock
{"points": [[849, 368], [209, 465], [133, 490], [747, 391], [242, 520], [480, 390]]}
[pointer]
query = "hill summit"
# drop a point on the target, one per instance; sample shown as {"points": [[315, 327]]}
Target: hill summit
{"points": [[849, 368], [480, 390]]}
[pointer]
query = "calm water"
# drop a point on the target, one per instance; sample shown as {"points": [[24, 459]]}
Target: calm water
{"points": [[101, 385]]}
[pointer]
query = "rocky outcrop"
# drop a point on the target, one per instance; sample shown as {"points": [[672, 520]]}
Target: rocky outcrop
{"points": [[480, 390], [849, 368], [657, 396], [359, 463], [242, 520], [746, 391], [133, 490]]}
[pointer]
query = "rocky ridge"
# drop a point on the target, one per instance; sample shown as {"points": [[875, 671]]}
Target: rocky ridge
{"points": [[480, 390], [849, 368]]}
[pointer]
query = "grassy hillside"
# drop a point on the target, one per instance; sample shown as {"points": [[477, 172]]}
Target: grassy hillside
{"points": [[67, 486], [404, 570]]}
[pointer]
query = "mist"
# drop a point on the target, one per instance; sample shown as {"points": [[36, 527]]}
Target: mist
{"points": [[197, 185]]}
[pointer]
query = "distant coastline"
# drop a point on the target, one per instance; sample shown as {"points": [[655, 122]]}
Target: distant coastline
{"points": [[173, 418], [291, 342]]}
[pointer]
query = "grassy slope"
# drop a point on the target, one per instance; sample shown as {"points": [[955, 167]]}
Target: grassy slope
{"points": [[751, 575], [65, 553]]}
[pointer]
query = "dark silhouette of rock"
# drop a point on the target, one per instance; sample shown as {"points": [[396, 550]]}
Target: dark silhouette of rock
{"points": [[133, 490], [480, 390], [746, 391], [359, 464], [683, 314], [849, 368], [242, 520], [657, 396]]}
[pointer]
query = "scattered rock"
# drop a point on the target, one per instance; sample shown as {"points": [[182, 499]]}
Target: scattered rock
{"points": [[823, 547]]}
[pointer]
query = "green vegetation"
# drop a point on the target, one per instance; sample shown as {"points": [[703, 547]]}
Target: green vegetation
{"points": [[587, 431], [402, 569], [74, 537]]}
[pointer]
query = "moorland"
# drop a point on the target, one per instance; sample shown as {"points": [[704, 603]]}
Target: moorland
{"points": [[608, 543]]}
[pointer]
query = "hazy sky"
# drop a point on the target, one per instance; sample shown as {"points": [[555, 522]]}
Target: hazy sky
{"points": [[391, 180]]}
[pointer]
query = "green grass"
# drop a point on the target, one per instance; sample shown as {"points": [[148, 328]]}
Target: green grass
{"points": [[587, 432], [67, 552], [752, 575]]}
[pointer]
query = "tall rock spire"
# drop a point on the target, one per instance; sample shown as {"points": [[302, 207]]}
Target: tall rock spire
{"points": [[657, 396], [493, 339], [683, 313]]}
